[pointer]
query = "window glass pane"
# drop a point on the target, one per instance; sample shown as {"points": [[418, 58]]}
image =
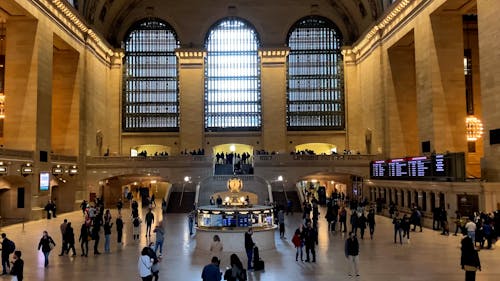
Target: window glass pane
{"points": [[150, 99], [232, 78], [315, 99]]}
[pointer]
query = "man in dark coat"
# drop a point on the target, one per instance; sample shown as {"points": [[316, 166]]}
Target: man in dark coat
{"points": [[310, 240]]}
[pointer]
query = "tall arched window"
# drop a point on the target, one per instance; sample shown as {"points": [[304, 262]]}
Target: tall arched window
{"points": [[150, 95], [232, 77], [315, 99]]}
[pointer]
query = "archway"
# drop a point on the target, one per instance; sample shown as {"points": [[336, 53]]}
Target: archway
{"points": [[330, 186], [233, 158], [150, 150], [316, 148], [141, 188]]}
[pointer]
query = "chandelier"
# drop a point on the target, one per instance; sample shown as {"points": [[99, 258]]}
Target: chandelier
{"points": [[474, 128]]}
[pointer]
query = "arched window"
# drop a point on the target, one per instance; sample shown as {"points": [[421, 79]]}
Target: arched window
{"points": [[232, 77], [315, 99], [150, 95]]}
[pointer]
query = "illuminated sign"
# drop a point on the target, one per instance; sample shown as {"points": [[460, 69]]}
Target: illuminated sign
{"points": [[44, 181]]}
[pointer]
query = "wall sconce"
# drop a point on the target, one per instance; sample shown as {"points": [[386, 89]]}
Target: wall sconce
{"points": [[27, 169], [57, 170], [73, 170]]}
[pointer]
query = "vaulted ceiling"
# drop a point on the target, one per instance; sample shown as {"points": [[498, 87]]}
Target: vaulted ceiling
{"points": [[193, 18]]}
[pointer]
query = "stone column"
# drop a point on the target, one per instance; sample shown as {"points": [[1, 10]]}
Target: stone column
{"points": [[28, 107], [440, 81], [191, 97], [488, 22], [273, 96]]}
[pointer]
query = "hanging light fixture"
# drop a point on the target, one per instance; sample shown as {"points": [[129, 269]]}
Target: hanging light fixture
{"points": [[474, 128]]}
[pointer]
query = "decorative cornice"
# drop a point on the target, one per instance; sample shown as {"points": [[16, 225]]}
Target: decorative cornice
{"points": [[273, 57], [69, 19], [190, 57], [397, 16]]}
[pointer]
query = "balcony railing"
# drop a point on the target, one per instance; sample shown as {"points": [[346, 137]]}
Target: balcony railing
{"points": [[16, 154]]}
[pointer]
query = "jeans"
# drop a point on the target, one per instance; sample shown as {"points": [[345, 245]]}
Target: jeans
{"points": [[470, 276], [46, 256], [249, 256], [353, 260], [396, 231], [85, 247], [472, 235], [5, 263], [148, 229], [190, 222], [159, 244], [310, 248], [299, 251], [372, 230], [107, 237]]}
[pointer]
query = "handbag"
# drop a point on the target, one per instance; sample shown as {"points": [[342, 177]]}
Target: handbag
{"points": [[51, 246], [470, 268]]}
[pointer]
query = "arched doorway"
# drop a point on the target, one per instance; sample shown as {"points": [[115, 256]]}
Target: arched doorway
{"points": [[233, 158], [329, 186], [150, 150], [316, 148], [139, 187]]}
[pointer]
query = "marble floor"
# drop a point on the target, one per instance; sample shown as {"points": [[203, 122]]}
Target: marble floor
{"points": [[429, 256]]}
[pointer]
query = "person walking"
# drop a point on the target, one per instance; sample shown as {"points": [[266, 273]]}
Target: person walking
{"points": [[8, 247], [150, 218], [63, 231], [136, 223], [362, 225], [343, 219], [155, 268], [191, 217], [119, 206], [249, 245], [281, 222], [69, 238], [119, 229], [144, 265], [298, 242], [211, 271], [84, 239], [469, 259], [397, 228], [216, 246], [17, 266], [352, 253], [95, 235], [46, 244], [310, 240], [470, 226], [160, 237], [371, 222], [107, 236]]}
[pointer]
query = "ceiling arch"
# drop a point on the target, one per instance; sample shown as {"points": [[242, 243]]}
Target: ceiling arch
{"points": [[191, 19]]}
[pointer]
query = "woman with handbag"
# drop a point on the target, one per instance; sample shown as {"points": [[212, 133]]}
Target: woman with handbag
{"points": [[46, 244], [469, 259]]}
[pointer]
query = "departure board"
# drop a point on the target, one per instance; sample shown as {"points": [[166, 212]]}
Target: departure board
{"points": [[439, 167]]}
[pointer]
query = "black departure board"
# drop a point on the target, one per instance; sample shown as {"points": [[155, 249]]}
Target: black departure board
{"points": [[439, 167]]}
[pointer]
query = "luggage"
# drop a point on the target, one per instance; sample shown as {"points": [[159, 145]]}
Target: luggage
{"points": [[258, 263]]}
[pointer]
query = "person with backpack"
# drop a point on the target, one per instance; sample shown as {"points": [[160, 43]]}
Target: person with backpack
{"points": [[8, 247], [236, 272], [136, 223], [150, 218]]}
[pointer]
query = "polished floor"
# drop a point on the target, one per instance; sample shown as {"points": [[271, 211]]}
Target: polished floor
{"points": [[429, 256]]}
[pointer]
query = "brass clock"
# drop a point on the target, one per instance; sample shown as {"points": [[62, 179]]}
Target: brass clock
{"points": [[234, 184]]}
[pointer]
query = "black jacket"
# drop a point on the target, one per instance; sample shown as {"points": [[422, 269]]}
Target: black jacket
{"points": [[352, 247], [248, 241], [17, 269]]}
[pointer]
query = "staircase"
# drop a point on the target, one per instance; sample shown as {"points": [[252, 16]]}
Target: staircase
{"points": [[280, 199], [185, 206], [227, 169], [219, 184]]}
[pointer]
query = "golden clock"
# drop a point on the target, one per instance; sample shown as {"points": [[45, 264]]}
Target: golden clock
{"points": [[234, 184]]}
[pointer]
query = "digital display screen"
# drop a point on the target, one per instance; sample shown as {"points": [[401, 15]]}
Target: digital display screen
{"points": [[44, 181], [435, 167]]}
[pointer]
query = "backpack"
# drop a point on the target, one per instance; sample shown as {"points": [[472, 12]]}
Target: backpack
{"points": [[12, 247]]}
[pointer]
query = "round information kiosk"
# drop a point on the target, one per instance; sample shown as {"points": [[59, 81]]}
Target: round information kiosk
{"points": [[231, 219]]}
